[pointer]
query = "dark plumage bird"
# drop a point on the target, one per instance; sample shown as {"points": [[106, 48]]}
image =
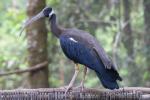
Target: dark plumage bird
{"points": [[82, 48]]}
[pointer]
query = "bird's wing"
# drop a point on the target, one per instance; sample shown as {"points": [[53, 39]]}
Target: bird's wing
{"points": [[91, 42], [104, 57]]}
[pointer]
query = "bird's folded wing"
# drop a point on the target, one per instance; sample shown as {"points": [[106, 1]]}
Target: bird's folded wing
{"points": [[92, 43], [104, 58]]}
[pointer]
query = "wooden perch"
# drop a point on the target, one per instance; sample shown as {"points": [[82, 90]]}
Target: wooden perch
{"points": [[128, 93]]}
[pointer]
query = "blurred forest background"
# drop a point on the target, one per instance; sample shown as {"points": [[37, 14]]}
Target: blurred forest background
{"points": [[121, 26]]}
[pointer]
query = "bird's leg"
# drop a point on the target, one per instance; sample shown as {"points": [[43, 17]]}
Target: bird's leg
{"points": [[84, 75], [83, 79], [73, 78]]}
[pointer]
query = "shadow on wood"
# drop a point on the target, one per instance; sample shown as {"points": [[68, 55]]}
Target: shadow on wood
{"points": [[128, 93]]}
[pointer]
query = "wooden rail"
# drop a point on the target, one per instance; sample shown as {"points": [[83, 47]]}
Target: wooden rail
{"points": [[128, 93]]}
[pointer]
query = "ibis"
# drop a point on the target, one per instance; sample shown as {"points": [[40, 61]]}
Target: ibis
{"points": [[82, 48]]}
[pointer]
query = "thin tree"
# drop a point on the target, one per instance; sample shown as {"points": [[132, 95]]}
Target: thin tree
{"points": [[147, 35], [128, 41]]}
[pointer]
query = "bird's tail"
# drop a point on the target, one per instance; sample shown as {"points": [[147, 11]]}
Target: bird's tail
{"points": [[109, 78]]}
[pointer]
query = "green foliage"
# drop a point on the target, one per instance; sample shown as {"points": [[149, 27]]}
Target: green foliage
{"points": [[80, 14], [12, 46]]}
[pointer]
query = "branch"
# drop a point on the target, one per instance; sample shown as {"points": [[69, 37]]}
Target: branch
{"points": [[33, 68], [127, 93], [142, 89], [96, 23], [116, 41]]}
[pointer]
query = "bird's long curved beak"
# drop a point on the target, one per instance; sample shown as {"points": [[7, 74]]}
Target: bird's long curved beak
{"points": [[30, 21]]}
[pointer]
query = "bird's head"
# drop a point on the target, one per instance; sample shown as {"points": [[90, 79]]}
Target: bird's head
{"points": [[46, 12]]}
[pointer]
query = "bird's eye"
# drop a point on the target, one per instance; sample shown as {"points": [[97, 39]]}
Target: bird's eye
{"points": [[47, 11]]}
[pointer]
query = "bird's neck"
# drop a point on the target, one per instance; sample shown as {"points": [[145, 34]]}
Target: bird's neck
{"points": [[55, 29]]}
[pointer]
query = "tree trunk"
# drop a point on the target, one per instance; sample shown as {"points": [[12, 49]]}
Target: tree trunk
{"points": [[128, 41], [37, 45], [147, 35], [128, 36]]}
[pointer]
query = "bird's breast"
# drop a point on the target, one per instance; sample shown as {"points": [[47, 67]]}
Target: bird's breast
{"points": [[70, 47]]}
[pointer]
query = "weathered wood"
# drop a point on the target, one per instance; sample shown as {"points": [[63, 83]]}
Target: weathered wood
{"points": [[128, 93]]}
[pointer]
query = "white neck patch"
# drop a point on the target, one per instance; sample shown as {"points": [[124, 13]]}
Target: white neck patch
{"points": [[52, 12], [72, 39]]}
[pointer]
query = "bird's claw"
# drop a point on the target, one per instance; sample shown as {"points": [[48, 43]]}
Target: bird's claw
{"points": [[67, 89]]}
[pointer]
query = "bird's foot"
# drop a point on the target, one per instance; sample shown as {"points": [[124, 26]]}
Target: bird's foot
{"points": [[67, 88]]}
